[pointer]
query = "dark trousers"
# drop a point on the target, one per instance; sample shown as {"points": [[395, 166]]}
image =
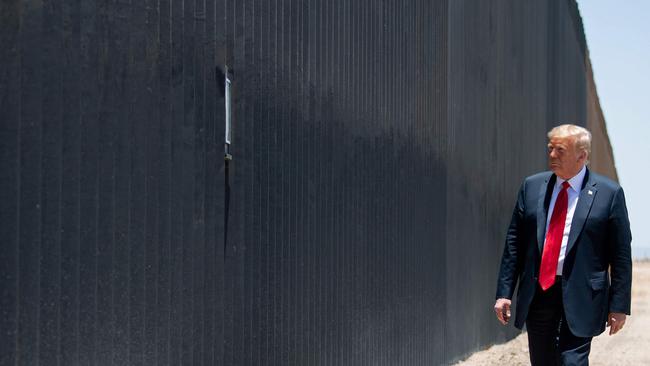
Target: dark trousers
{"points": [[550, 341]]}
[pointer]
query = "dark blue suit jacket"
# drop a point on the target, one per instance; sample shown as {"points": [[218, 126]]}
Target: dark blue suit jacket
{"points": [[599, 241]]}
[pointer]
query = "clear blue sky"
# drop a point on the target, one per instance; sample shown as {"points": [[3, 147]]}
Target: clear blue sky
{"points": [[619, 44]]}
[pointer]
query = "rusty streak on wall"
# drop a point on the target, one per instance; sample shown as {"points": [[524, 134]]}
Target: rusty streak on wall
{"points": [[602, 156]]}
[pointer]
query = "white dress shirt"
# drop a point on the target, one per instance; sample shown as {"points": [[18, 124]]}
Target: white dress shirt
{"points": [[573, 193]]}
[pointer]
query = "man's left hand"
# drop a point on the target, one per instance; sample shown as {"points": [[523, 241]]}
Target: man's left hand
{"points": [[615, 322]]}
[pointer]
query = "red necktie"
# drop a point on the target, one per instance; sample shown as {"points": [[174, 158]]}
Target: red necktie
{"points": [[553, 242]]}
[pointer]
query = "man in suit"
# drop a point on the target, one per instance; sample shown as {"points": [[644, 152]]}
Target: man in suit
{"points": [[568, 247]]}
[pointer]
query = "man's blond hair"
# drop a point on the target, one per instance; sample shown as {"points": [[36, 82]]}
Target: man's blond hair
{"points": [[581, 134]]}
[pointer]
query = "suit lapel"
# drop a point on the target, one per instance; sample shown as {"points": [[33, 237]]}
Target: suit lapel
{"points": [[583, 207], [545, 192]]}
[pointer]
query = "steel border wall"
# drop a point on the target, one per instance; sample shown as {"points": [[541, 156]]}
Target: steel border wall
{"points": [[377, 148]]}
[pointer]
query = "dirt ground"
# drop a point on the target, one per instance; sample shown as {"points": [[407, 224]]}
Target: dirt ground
{"points": [[630, 346]]}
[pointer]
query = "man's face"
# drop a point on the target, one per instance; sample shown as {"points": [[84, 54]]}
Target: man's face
{"points": [[564, 158]]}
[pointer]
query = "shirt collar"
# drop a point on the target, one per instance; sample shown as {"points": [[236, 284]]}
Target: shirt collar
{"points": [[576, 181]]}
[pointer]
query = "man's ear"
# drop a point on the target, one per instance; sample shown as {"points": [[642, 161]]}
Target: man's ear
{"points": [[582, 156]]}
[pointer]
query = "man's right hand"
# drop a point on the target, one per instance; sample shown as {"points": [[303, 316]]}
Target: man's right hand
{"points": [[502, 308]]}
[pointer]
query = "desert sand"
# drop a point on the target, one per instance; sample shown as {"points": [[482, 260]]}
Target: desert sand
{"points": [[630, 346]]}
